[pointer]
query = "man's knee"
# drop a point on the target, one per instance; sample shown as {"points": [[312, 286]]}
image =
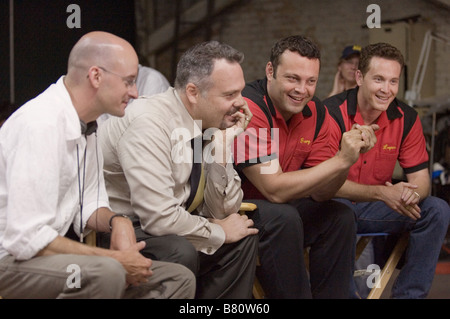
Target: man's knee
{"points": [[175, 249], [104, 277], [437, 211], [343, 215], [283, 215], [180, 282]]}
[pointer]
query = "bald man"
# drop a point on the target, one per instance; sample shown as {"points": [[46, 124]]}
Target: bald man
{"points": [[51, 178]]}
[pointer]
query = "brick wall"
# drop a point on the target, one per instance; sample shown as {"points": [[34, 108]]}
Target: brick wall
{"points": [[252, 26]]}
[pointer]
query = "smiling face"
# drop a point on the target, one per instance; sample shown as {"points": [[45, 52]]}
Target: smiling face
{"points": [[379, 86], [119, 83], [223, 98], [294, 83]]}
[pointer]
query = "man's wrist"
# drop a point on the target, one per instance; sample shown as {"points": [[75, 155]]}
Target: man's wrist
{"points": [[114, 216]]}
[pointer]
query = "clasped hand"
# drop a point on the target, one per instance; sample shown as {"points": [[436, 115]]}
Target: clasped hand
{"points": [[360, 139], [403, 198]]}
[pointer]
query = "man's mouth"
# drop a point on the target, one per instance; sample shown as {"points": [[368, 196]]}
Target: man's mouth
{"points": [[297, 99], [233, 110], [382, 98]]}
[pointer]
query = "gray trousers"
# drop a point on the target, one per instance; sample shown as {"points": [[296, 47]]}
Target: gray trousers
{"points": [[229, 273], [88, 277]]}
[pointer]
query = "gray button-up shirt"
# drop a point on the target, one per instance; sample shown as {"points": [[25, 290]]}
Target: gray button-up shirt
{"points": [[148, 161]]}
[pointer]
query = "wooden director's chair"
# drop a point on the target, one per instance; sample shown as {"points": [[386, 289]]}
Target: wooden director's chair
{"points": [[390, 265], [384, 275]]}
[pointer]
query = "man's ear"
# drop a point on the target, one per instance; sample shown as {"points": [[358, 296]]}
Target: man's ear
{"points": [[95, 76], [359, 77], [192, 93], [269, 71]]}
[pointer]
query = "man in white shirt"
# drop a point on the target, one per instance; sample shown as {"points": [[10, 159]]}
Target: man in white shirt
{"points": [[151, 153], [50, 178]]}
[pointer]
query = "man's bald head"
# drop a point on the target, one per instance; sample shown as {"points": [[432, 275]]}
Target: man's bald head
{"points": [[101, 49], [101, 75]]}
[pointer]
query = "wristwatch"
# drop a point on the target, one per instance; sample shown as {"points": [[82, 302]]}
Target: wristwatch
{"points": [[114, 216]]}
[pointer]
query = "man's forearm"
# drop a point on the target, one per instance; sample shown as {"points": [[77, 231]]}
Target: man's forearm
{"points": [[358, 192], [99, 220], [327, 178], [63, 245], [320, 182]]}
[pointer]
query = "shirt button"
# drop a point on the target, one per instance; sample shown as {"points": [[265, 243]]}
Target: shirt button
{"points": [[209, 250], [365, 162]]}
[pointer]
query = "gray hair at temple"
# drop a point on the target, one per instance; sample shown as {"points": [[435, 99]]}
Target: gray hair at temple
{"points": [[197, 63]]}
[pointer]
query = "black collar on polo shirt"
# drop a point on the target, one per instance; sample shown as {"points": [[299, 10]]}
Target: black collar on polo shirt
{"points": [[392, 111]]}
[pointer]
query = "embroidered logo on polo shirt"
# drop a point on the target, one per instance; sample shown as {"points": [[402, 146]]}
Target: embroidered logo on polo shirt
{"points": [[304, 141], [389, 148]]}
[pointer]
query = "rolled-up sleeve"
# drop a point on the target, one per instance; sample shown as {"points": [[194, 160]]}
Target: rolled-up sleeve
{"points": [[32, 190]]}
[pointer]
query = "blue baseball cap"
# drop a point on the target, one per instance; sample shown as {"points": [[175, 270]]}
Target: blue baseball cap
{"points": [[349, 50]]}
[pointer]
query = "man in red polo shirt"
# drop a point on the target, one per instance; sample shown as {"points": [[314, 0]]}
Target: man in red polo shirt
{"points": [[290, 170], [379, 205]]}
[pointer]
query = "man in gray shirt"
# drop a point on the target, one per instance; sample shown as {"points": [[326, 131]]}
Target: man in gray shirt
{"points": [[151, 153]]}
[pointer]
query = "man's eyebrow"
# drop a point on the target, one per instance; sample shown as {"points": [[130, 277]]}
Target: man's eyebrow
{"points": [[231, 92]]}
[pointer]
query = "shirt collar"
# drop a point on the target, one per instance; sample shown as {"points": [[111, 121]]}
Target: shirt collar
{"points": [[192, 125], [73, 129]]}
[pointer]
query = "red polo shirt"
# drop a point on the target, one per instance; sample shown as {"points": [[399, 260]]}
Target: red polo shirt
{"points": [[400, 137], [301, 142]]}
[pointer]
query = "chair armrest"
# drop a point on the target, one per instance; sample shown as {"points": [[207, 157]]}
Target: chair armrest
{"points": [[247, 207]]}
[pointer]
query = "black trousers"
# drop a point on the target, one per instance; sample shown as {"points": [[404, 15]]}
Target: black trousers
{"points": [[328, 228], [229, 273]]}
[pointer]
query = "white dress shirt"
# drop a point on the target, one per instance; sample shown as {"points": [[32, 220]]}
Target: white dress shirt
{"points": [[41, 152]]}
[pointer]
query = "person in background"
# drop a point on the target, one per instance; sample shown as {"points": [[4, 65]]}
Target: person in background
{"points": [[51, 178], [379, 205], [345, 77], [149, 81]]}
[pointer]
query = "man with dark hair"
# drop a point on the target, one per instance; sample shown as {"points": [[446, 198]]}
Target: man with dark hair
{"points": [[379, 205], [151, 159], [291, 172]]}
